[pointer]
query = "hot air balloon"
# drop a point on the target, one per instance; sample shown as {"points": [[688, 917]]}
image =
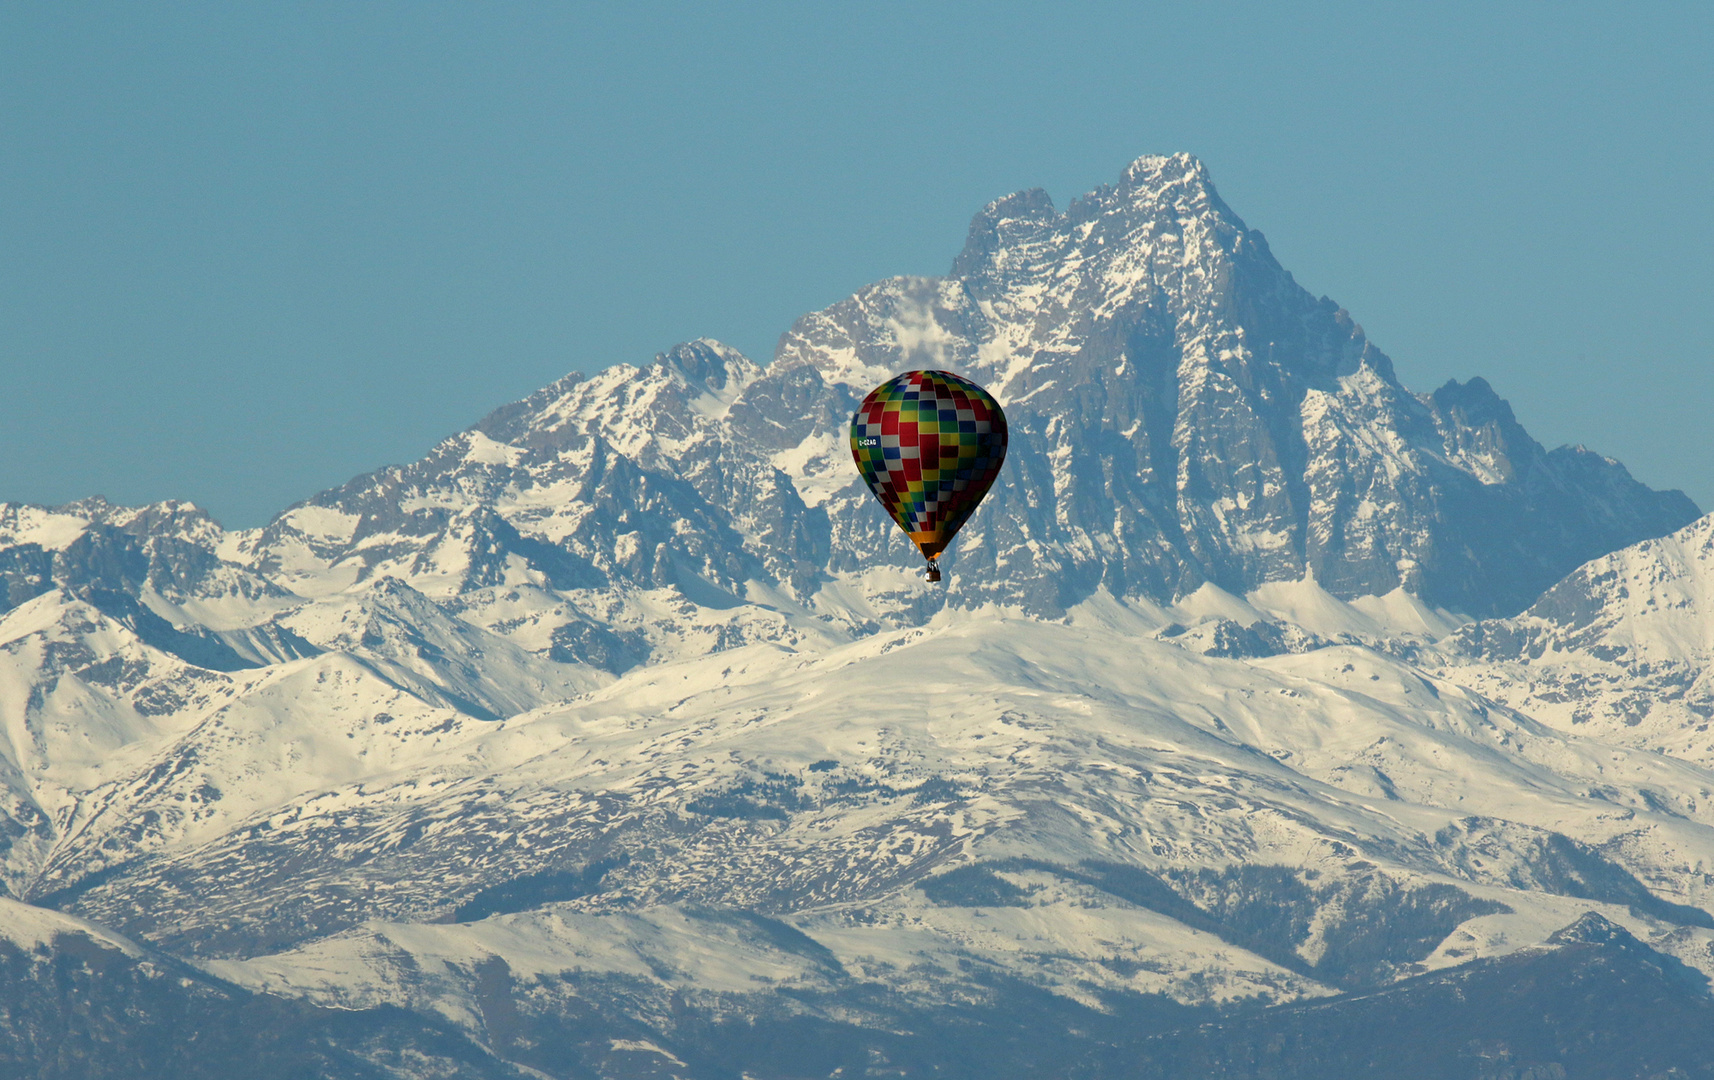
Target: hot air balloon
{"points": [[929, 445]]}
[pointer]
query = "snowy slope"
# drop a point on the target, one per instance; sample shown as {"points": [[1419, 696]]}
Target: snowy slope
{"points": [[781, 782], [1623, 648], [778, 784], [32, 928]]}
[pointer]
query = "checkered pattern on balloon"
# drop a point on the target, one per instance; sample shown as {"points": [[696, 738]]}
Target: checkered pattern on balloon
{"points": [[929, 445]]}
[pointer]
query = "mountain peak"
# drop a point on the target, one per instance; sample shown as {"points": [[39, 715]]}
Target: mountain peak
{"points": [[1230, 405], [1159, 170], [1017, 220], [1034, 203], [1167, 189], [708, 364]]}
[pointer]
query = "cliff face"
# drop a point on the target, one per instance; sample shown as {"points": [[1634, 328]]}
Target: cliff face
{"points": [[1184, 412]]}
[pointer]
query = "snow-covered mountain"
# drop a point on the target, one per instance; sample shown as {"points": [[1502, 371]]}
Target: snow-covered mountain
{"points": [[1622, 648], [621, 723], [1183, 411]]}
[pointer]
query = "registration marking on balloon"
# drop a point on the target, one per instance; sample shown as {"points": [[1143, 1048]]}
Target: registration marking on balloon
{"points": [[929, 445]]}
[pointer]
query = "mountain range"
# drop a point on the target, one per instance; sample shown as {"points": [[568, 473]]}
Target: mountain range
{"points": [[1273, 720]]}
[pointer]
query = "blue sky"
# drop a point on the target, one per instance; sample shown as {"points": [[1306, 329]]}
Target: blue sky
{"points": [[250, 250]]}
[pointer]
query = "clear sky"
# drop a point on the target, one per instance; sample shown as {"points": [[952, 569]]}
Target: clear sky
{"points": [[248, 250]]}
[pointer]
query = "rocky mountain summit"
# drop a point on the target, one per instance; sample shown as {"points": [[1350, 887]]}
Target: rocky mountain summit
{"points": [[617, 736], [1184, 412]]}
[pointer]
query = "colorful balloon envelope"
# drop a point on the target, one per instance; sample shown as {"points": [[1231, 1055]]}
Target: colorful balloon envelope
{"points": [[929, 445]]}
